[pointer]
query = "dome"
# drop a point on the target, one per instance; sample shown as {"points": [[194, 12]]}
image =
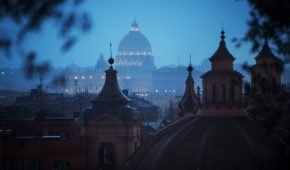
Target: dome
{"points": [[206, 143], [134, 43], [135, 50]]}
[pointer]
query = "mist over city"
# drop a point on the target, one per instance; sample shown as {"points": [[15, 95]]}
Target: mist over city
{"points": [[144, 84]]}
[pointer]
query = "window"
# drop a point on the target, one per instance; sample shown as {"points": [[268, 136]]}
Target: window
{"points": [[21, 164], [61, 165], [107, 156]]}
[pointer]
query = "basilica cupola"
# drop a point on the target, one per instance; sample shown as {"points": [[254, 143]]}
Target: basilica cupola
{"points": [[135, 50]]}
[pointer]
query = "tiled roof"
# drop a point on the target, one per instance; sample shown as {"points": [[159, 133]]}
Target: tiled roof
{"points": [[206, 143]]}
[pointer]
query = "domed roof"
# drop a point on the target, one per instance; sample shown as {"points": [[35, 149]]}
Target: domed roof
{"points": [[134, 41], [208, 142]]}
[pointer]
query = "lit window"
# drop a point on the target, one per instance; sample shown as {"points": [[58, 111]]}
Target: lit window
{"points": [[2, 72], [76, 77]]}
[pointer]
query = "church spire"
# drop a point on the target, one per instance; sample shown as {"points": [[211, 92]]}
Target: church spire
{"points": [[111, 100], [266, 52], [189, 68], [111, 60], [189, 102], [134, 26], [111, 91], [223, 35], [222, 55]]}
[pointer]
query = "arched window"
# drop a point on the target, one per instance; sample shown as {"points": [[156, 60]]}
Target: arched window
{"points": [[107, 156]]}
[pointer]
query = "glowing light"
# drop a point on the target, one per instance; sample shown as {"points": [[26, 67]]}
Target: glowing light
{"points": [[156, 91], [76, 77], [2, 72], [91, 77], [83, 77], [134, 29], [132, 53]]}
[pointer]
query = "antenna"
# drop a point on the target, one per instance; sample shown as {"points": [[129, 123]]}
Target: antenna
{"points": [[190, 59], [111, 49]]}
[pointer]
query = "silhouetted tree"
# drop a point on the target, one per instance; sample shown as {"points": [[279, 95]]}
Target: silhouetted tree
{"points": [[269, 19], [29, 16]]}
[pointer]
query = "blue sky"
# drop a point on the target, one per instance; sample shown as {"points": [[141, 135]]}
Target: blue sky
{"points": [[174, 28]]}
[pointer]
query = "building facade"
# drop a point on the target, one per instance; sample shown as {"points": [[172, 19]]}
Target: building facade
{"points": [[111, 125]]}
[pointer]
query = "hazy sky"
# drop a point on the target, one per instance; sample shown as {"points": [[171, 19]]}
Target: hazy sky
{"points": [[174, 28]]}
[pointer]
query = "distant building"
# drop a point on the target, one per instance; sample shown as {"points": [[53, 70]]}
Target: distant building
{"points": [[148, 111], [85, 79], [135, 51], [222, 85], [45, 144], [135, 61], [39, 103]]}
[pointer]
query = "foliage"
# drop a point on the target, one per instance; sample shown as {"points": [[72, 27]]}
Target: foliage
{"points": [[30, 15], [269, 19]]}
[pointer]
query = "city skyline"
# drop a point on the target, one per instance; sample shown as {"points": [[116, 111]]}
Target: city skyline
{"points": [[174, 30]]}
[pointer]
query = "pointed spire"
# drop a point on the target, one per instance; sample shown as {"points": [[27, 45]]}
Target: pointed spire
{"points": [[134, 21], [189, 68], [223, 35], [188, 103], [134, 26], [266, 51], [222, 51], [111, 60], [111, 90]]}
